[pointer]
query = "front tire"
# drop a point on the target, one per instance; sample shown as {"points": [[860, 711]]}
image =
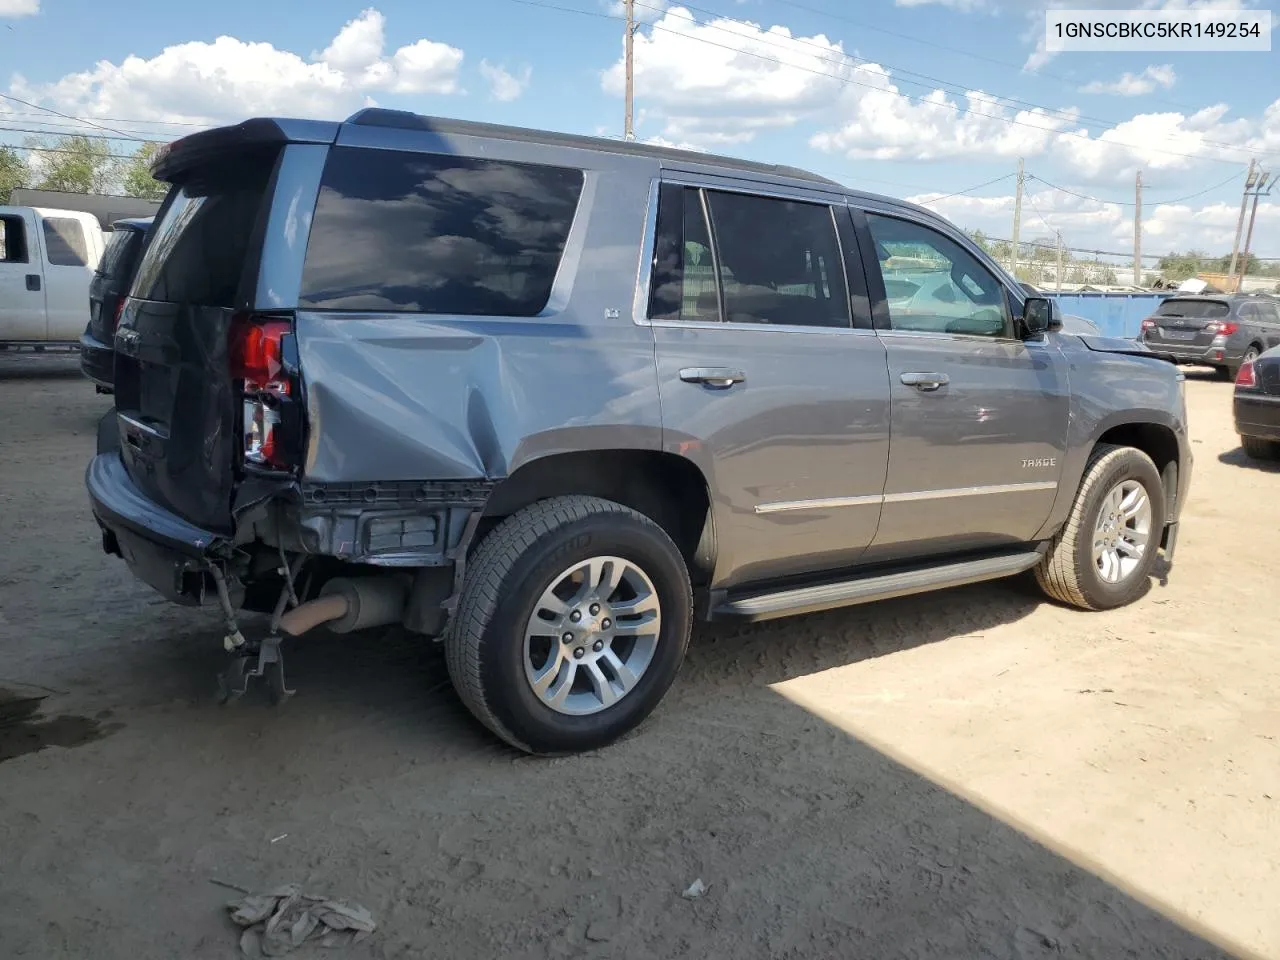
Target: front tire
{"points": [[573, 622], [1260, 449], [1102, 556]]}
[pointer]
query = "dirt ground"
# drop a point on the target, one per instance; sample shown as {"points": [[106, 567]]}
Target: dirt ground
{"points": [[968, 774]]}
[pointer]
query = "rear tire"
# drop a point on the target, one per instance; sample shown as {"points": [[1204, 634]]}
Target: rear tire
{"points": [[1260, 449], [1079, 573], [504, 649]]}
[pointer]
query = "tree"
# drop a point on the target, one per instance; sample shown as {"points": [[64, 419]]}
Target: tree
{"points": [[1181, 266], [77, 165], [14, 172], [138, 181]]}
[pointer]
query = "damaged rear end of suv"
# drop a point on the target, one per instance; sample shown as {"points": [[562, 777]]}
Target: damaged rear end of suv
{"points": [[291, 436]]}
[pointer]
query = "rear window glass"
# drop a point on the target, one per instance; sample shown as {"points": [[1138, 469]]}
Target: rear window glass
{"points": [[422, 233], [201, 240], [64, 242], [1193, 309], [120, 246]]}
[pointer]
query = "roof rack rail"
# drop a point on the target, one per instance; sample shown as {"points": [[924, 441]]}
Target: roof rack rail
{"points": [[406, 120]]}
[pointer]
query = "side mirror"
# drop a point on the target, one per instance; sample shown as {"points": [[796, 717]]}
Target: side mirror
{"points": [[1040, 315]]}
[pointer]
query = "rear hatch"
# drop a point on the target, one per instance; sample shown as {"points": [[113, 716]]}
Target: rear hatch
{"points": [[1187, 323], [110, 281], [1266, 369], [176, 403]]}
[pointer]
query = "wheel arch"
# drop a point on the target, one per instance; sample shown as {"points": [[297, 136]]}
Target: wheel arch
{"points": [[667, 488], [1158, 442]]}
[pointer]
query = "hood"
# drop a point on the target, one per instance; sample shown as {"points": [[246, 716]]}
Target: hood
{"points": [[1100, 344]]}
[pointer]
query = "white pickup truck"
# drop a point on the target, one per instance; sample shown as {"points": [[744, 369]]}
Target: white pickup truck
{"points": [[47, 258]]}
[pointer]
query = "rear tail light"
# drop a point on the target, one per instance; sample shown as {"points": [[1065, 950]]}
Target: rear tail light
{"points": [[1148, 324], [1223, 328], [269, 387], [1246, 376], [115, 321]]}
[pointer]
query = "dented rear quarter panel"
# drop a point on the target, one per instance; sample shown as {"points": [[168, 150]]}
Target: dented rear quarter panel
{"points": [[403, 396]]}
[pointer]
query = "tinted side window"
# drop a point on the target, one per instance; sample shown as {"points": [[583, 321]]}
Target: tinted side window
{"points": [[437, 234], [684, 278], [13, 240], [933, 284], [779, 261], [64, 242], [1268, 312], [202, 239]]}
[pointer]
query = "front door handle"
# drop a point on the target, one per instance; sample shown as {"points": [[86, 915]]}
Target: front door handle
{"points": [[718, 378], [33, 282], [926, 382]]}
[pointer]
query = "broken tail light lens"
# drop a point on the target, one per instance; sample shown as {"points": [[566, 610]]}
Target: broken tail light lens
{"points": [[271, 425]]}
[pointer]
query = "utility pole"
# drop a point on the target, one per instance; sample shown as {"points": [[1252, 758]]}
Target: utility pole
{"points": [[1137, 231], [1263, 177], [628, 126], [1017, 222], [1244, 202], [1059, 273]]}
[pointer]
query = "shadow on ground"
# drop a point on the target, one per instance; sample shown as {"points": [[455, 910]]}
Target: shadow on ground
{"points": [[374, 784]]}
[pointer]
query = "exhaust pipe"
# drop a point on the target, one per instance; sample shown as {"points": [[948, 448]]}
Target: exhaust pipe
{"points": [[347, 604]]}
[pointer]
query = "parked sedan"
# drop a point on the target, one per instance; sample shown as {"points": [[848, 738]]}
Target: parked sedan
{"points": [[1257, 405], [107, 292], [1217, 331]]}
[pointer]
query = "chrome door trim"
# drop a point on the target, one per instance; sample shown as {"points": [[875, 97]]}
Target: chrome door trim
{"points": [[833, 503], [947, 494], [825, 503]]}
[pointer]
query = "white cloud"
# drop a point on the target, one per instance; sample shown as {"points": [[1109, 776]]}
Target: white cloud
{"points": [[722, 80], [1135, 84], [1096, 225], [19, 8], [503, 85], [881, 124], [230, 79]]}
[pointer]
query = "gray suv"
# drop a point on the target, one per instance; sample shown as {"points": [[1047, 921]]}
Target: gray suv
{"points": [[550, 399], [1223, 331]]}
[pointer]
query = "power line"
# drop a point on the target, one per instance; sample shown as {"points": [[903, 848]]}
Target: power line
{"points": [[1132, 203], [72, 153], [851, 82], [56, 113], [1065, 81], [69, 133], [967, 189], [902, 74]]}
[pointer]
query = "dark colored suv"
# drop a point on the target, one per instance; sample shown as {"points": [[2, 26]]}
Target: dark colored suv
{"points": [[1222, 331], [553, 398], [107, 292]]}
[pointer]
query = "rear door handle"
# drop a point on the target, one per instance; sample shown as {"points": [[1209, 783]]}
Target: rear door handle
{"points": [[719, 378], [926, 382]]}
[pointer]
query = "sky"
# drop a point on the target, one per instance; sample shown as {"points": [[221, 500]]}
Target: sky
{"points": [[930, 100]]}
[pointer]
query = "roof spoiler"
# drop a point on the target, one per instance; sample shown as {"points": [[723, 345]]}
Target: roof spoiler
{"points": [[172, 159]]}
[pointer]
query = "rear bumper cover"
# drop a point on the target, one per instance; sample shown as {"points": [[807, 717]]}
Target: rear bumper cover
{"points": [[1257, 415], [1211, 355], [163, 550], [97, 361]]}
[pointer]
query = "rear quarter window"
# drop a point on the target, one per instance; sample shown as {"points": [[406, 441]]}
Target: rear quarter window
{"points": [[422, 233], [64, 242]]}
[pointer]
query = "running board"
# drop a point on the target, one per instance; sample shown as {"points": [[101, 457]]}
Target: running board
{"points": [[866, 589]]}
